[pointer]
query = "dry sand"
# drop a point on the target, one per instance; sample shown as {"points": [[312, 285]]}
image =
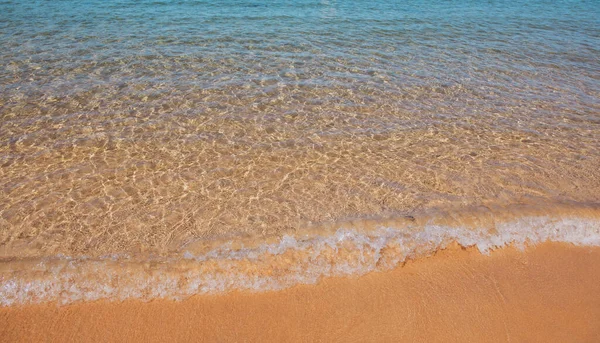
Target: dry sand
{"points": [[546, 293]]}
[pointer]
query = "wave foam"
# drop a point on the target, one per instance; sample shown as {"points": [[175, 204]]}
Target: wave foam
{"points": [[289, 261]]}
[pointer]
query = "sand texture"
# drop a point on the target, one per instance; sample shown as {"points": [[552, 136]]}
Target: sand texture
{"points": [[550, 292]]}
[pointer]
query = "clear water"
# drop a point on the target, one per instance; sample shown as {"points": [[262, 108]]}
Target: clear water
{"points": [[152, 127], [484, 48]]}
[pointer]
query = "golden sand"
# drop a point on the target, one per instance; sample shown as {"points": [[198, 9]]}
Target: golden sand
{"points": [[550, 292]]}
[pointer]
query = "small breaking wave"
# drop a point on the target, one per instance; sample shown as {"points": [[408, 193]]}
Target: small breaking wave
{"points": [[345, 249]]}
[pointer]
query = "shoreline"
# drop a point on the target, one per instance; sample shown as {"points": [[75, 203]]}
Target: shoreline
{"points": [[546, 292], [345, 249]]}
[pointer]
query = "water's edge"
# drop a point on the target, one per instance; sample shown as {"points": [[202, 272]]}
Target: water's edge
{"points": [[345, 249]]}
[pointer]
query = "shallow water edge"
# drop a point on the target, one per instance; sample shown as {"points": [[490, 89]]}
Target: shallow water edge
{"points": [[338, 249]]}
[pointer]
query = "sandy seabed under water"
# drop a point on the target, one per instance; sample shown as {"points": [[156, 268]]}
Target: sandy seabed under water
{"points": [[548, 292]]}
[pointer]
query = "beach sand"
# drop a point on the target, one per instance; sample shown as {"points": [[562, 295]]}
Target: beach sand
{"points": [[550, 292]]}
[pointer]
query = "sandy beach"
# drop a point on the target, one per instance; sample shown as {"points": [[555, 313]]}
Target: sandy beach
{"points": [[299, 171], [546, 293]]}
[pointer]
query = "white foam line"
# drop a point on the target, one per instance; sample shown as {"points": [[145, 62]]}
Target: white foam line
{"points": [[275, 266]]}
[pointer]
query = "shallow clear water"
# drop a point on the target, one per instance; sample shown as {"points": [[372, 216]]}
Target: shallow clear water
{"points": [[151, 126]]}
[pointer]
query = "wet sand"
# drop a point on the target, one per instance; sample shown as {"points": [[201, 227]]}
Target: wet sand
{"points": [[550, 292]]}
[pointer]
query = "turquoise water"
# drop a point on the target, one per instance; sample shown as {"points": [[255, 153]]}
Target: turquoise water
{"points": [[506, 50]]}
